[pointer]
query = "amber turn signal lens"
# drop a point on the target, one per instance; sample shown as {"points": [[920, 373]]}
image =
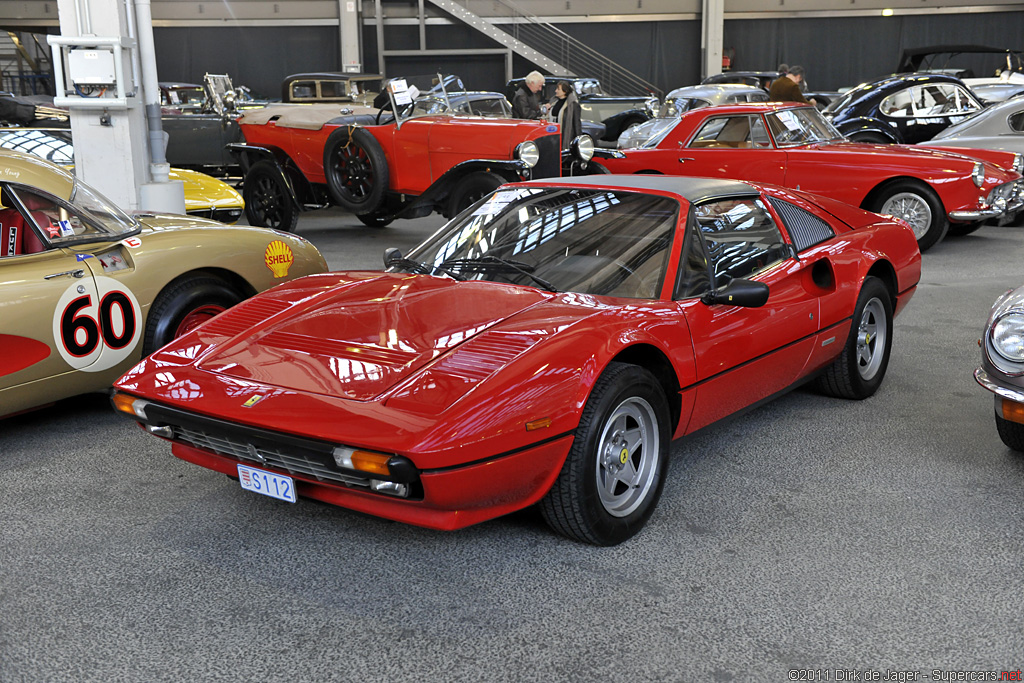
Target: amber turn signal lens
{"points": [[126, 403], [374, 463], [538, 424], [1013, 411]]}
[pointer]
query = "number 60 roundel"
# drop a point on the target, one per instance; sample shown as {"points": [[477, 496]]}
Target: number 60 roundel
{"points": [[96, 331]]}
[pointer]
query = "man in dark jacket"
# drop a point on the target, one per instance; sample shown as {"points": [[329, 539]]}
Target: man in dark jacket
{"points": [[526, 102], [787, 88]]}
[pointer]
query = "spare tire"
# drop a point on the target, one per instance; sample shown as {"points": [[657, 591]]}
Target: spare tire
{"points": [[356, 170]]}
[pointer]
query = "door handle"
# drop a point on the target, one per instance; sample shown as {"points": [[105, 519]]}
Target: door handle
{"points": [[77, 272], [683, 159]]}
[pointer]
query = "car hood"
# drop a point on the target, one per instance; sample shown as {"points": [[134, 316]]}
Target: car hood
{"points": [[203, 191], [365, 334], [922, 153]]}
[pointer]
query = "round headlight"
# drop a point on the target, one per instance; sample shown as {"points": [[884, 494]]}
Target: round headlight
{"points": [[1008, 337], [978, 174], [528, 153], [583, 147]]}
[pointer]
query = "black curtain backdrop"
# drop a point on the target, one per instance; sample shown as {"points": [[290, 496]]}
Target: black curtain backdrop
{"points": [[836, 53]]}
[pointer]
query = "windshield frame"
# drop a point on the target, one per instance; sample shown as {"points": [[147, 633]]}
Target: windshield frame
{"points": [[584, 240], [803, 114]]}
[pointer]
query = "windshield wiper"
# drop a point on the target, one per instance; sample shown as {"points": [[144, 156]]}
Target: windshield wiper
{"points": [[488, 262], [393, 259]]}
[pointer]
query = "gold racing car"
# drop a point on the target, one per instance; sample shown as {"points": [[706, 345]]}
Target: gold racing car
{"points": [[87, 290]]}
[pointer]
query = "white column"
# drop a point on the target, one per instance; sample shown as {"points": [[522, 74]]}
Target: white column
{"points": [[712, 19], [110, 144], [350, 36]]}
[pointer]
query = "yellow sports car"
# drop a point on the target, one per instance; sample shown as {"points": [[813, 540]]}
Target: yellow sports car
{"points": [[87, 290], [205, 196]]}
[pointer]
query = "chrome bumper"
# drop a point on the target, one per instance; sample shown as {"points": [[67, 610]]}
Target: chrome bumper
{"points": [[985, 212], [985, 380], [975, 215]]}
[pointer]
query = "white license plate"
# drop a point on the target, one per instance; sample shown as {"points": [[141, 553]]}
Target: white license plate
{"points": [[273, 485]]}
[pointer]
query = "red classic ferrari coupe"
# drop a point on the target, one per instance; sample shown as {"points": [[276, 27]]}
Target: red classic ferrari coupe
{"points": [[544, 347], [793, 146]]}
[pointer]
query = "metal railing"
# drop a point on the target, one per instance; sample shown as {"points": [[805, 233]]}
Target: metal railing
{"points": [[561, 47]]}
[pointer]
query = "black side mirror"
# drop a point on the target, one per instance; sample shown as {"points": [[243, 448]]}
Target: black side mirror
{"points": [[746, 293], [392, 257]]}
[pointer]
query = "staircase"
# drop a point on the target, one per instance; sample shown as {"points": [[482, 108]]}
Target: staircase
{"points": [[550, 48]]}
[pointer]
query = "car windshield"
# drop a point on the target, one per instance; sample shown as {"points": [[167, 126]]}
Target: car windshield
{"points": [[613, 243], [843, 101], [804, 126], [101, 210], [661, 134], [425, 95]]}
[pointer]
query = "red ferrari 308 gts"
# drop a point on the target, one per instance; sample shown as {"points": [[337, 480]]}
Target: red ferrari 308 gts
{"points": [[543, 348]]}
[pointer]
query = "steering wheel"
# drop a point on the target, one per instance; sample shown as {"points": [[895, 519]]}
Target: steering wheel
{"points": [[383, 108]]}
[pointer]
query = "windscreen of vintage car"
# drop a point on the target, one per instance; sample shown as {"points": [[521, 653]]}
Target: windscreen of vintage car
{"points": [[88, 217], [604, 242], [804, 126]]}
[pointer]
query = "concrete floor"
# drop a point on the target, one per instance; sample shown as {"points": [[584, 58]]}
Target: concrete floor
{"points": [[811, 534]]}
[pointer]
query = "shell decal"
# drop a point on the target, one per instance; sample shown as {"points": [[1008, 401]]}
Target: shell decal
{"points": [[279, 258]]}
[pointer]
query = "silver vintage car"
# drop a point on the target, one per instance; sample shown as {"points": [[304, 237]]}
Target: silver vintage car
{"points": [[684, 99], [1000, 126], [1002, 365]]}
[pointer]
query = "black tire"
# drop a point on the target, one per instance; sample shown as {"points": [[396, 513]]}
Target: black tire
{"points": [[471, 189], [596, 168], [588, 502], [860, 368], [918, 205], [872, 138], [198, 297], [269, 202], [1011, 433], [961, 229], [375, 220], [356, 170]]}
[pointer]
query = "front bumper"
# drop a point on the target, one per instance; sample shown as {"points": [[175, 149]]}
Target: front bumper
{"points": [[1011, 201], [987, 381], [451, 499], [485, 486]]}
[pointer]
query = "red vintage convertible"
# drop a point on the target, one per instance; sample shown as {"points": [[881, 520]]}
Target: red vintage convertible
{"points": [[544, 347], [793, 146], [413, 156]]}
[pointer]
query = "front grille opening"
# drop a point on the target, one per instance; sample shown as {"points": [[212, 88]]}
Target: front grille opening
{"points": [[281, 459]]}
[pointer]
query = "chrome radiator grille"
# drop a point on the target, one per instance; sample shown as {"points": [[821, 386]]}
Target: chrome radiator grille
{"points": [[277, 458]]}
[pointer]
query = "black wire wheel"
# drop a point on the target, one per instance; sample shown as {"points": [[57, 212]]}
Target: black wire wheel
{"points": [[356, 170], [612, 478], [268, 199]]}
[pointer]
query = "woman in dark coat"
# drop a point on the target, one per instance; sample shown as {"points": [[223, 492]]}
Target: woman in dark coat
{"points": [[566, 111]]}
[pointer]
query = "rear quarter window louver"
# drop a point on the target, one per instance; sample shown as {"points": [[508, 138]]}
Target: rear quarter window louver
{"points": [[805, 228]]}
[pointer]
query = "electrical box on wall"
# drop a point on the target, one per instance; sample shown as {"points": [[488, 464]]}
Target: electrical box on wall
{"points": [[91, 67], [89, 72]]}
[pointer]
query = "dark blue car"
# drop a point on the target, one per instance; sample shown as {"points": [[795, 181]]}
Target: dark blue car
{"points": [[905, 108]]}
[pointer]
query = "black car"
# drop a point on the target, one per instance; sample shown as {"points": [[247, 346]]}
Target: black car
{"points": [[905, 108], [614, 113]]}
